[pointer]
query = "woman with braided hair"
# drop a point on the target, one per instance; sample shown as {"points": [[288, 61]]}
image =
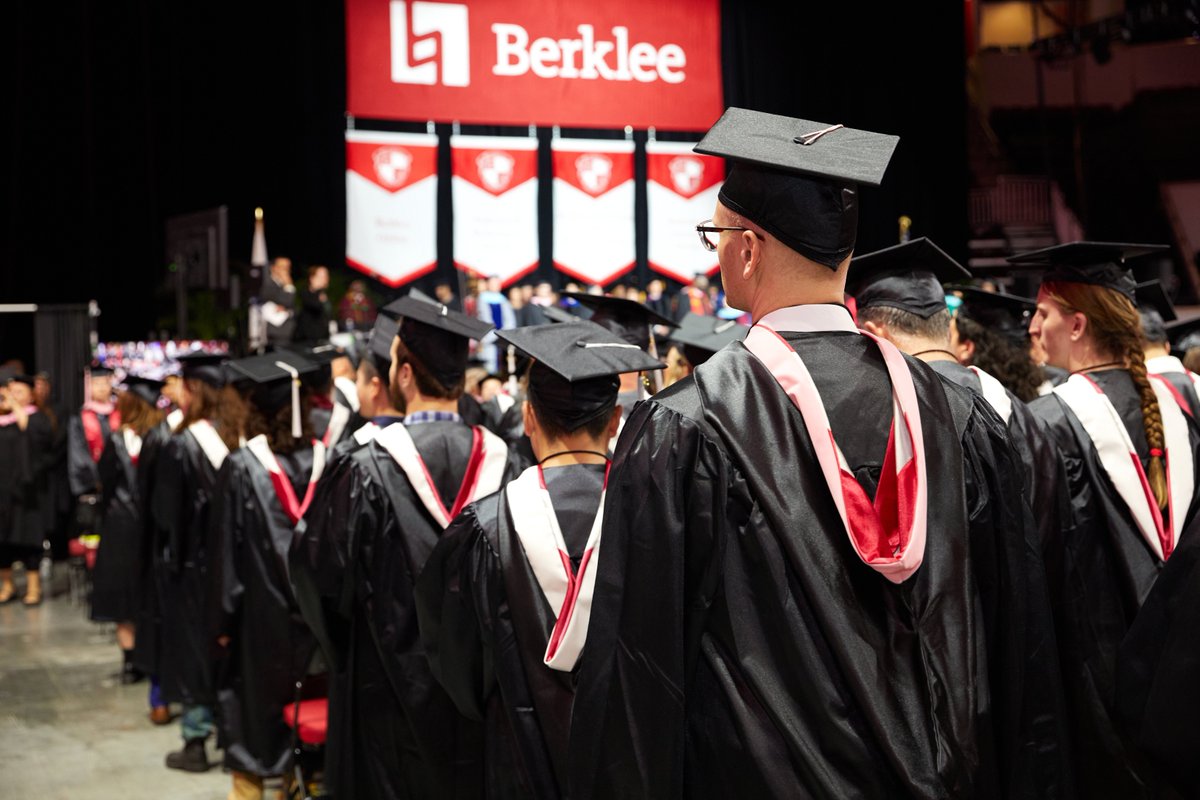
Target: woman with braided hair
{"points": [[1118, 429]]}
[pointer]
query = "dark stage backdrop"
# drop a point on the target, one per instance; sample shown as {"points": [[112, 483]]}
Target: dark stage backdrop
{"points": [[122, 114]]}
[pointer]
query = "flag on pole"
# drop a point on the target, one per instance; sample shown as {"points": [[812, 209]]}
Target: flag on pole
{"points": [[494, 186], [593, 208], [681, 192], [391, 204]]}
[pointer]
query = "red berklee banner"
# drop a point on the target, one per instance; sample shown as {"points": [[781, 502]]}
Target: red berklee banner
{"points": [[391, 204], [583, 63], [494, 188], [593, 208], [681, 192]]}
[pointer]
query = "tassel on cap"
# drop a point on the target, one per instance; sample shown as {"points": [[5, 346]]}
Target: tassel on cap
{"points": [[288, 368]]}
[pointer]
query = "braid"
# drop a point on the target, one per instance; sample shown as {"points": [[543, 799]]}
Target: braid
{"points": [[1151, 420], [1116, 328]]}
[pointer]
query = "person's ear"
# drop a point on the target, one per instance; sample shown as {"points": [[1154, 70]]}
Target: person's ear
{"points": [[614, 422], [529, 419], [965, 352], [875, 329], [749, 254], [1078, 326]]}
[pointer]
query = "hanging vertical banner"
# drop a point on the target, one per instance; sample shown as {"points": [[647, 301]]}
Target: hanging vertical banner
{"points": [[494, 188], [681, 192], [593, 208], [391, 204]]}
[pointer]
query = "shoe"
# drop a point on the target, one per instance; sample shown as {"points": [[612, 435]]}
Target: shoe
{"points": [[160, 715], [191, 758], [30, 602], [8, 594], [129, 673]]}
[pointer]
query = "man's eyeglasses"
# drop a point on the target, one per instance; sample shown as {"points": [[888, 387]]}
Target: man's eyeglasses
{"points": [[710, 235]]}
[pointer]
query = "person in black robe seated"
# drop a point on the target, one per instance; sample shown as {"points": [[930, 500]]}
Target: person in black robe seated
{"points": [[393, 732], [1118, 429], [26, 458], [1157, 311], [812, 580], [263, 491], [116, 580], [184, 486], [503, 602]]}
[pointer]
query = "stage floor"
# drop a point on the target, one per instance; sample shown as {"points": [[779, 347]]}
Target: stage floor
{"points": [[68, 729]]}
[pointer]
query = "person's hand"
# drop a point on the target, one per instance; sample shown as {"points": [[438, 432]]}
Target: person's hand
{"points": [[223, 641], [18, 411]]}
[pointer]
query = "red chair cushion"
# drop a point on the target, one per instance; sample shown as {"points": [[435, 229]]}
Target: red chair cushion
{"points": [[313, 720], [76, 548]]}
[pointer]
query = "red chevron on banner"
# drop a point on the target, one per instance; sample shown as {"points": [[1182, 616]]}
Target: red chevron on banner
{"points": [[681, 192], [593, 208]]}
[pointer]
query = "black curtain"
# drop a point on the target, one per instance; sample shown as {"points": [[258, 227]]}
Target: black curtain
{"points": [[63, 349]]}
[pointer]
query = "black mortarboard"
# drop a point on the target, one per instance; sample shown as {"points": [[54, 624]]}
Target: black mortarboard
{"points": [[628, 319], [6, 375], [417, 294], [1005, 314], [1093, 263], [147, 389], [798, 179], [276, 379], [204, 367], [379, 344], [322, 355], [99, 371], [906, 276], [18, 378], [437, 335], [556, 314], [1150, 296], [701, 336], [574, 378]]}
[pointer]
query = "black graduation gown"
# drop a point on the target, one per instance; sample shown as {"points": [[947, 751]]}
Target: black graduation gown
{"points": [[1157, 698], [393, 732], [82, 474], [270, 645], [147, 648], [1182, 383], [117, 577], [184, 484], [738, 647], [21, 527], [485, 623], [1100, 571], [1045, 473]]}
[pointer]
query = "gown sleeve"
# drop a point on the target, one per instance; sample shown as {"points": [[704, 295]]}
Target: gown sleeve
{"points": [[461, 566], [108, 469], [170, 503], [225, 535], [668, 502]]}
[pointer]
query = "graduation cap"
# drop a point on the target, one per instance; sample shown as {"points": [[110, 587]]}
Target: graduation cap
{"points": [[147, 389], [1184, 334], [323, 356], [575, 374], [556, 314], [379, 344], [6, 375], [16, 377], [629, 319], [437, 335], [1149, 296], [417, 294], [701, 336], [100, 371], [275, 379], [1005, 314], [906, 276], [798, 179], [204, 367], [1093, 263]]}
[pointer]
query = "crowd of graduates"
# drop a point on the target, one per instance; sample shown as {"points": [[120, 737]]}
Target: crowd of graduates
{"points": [[905, 536]]}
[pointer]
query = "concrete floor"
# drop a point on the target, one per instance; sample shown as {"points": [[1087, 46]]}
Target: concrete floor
{"points": [[68, 729]]}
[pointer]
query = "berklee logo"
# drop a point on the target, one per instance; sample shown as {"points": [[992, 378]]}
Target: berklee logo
{"points": [[686, 173], [392, 165], [431, 45], [594, 171], [495, 169], [428, 39]]}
